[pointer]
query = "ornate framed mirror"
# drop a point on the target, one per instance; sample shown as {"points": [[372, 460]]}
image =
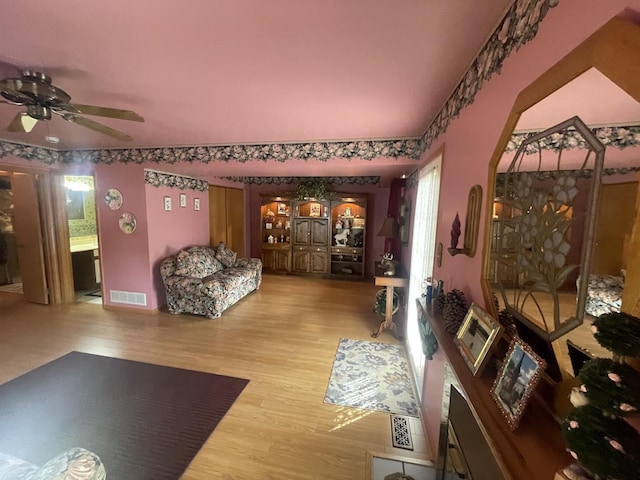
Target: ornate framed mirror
{"points": [[524, 184]]}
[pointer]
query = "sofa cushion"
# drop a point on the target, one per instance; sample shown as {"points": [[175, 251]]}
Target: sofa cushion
{"points": [[75, 463], [197, 262], [225, 255]]}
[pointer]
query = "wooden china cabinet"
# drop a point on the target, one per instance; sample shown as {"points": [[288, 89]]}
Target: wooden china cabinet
{"points": [[309, 236], [348, 225], [275, 218]]}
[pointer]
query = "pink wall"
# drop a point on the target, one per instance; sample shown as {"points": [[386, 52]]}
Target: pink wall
{"points": [[171, 231], [377, 203], [469, 142], [124, 258], [130, 263]]}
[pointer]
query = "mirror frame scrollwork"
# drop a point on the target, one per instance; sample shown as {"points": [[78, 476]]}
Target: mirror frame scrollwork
{"points": [[613, 50]]}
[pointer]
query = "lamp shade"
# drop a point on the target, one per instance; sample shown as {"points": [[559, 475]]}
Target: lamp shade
{"points": [[389, 228]]}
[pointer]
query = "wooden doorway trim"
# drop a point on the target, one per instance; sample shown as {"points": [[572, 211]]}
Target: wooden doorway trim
{"points": [[54, 233], [56, 239]]}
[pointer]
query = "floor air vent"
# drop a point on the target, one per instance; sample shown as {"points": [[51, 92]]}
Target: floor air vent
{"points": [[401, 432], [130, 298]]}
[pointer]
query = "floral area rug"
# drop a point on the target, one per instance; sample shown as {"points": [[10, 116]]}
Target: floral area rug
{"points": [[372, 376]]}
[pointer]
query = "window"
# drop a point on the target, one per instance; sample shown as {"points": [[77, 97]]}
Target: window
{"points": [[422, 255]]}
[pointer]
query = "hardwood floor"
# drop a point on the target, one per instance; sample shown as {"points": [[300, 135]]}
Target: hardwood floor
{"points": [[282, 338]]}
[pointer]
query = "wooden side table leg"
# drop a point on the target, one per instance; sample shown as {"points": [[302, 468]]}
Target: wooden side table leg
{"points": [[388, 316], [383, 324]]}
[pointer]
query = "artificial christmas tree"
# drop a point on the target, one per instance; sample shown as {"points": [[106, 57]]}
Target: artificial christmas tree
{"points": [[596, 432]]}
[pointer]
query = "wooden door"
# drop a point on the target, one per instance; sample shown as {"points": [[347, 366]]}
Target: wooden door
{"points": [[281, 260], [300, 261], [320, 231], [29, 238], [319, 262], [235, 220], [217, 215], [615, 219], [301, 231], [226, 218]]}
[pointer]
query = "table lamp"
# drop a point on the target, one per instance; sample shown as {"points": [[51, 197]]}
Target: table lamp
{"points": [[390, 231]]}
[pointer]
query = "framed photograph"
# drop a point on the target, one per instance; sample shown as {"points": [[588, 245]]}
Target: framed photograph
{"points": [[516, 380], [476, 337], [183, 200], [282, 209], [314, 210], [167, 204], [196, 204]]}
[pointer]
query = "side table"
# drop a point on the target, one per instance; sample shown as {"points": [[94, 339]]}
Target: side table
{"points": [[400, 279]]}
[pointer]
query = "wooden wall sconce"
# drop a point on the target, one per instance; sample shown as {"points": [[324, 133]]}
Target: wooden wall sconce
{"points": [[471, 225]]}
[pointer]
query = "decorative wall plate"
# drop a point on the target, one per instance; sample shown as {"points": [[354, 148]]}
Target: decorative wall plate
{"points": [[113, 198], [127, 223]]}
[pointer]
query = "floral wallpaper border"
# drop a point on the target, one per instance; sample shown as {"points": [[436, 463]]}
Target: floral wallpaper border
{"points": [[323, 151], [161, 179], [519, 26], [373, 180], [583, 173], [620, 136]]}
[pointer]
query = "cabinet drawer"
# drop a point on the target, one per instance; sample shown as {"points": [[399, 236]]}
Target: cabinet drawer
{"points": [[347, 250], [304, 248]]}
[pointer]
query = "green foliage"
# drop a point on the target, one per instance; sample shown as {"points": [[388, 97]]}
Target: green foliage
{"points": [[312, 188], [612, 387], [619, 333], [380, 306], [607, 446], [596, 435]]}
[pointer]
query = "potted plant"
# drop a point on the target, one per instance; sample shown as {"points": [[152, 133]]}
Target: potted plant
{"points": [[312, 188]]}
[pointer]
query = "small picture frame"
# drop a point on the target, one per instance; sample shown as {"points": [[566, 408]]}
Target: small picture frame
{"points": [[516, 380], [167, 203], [315, 210], [196, 204], [183, 200], [282, 209], [476, 338]]}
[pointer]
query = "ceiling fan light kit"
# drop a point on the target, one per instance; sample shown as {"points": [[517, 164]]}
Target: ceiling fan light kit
{"points": [[35, 91]]}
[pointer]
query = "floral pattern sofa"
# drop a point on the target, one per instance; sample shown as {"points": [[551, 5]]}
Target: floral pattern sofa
{"points": [[208, 280], [74, 464]]}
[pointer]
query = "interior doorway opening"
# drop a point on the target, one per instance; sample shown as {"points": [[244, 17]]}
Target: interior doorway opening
{"points": [[80, 203]]}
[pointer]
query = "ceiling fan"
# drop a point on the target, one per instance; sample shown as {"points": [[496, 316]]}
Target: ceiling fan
{"points": [[35, 91]]}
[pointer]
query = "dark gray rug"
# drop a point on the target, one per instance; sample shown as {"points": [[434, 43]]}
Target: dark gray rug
{"points": [[144, 421]]}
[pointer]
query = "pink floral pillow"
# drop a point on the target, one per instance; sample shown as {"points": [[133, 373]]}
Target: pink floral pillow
{"points": [[197, 263], [225, 255]]}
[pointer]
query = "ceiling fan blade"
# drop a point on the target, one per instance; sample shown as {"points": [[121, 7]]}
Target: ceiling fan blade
{"points": [[22, 123], [98, 127], [107, 112]]}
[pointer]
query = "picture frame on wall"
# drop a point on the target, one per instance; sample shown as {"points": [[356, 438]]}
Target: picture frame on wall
{"points": [[476, 338], [516, 380], [196, 204], [167, 203], [183, 200], [282, 209]]}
